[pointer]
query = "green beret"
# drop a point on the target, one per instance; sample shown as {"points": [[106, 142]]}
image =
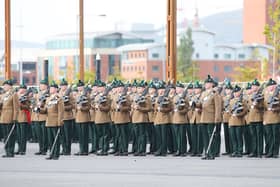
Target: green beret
{"points": [[248, 86], [209, 79], [179, 84], [101, 84], [120, 84], [9, 82], [44, 81], [228, 85], [22, 86], [190, 86], [63, 82], [80, 83], [256, 83], [53, 84], [134, 83], [142, 84], [236, 88], [271, 82], [197, 85]]}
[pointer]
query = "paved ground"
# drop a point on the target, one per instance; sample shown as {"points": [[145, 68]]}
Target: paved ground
{"points": [[73, 171]]}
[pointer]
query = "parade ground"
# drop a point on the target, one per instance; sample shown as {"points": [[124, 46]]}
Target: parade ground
{"points": [[83, 171]]}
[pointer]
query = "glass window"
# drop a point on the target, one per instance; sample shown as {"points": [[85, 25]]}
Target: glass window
{"points": [[216, 56], [155, 55], [227, 56], [241, 56], [216, 68], [155, 68], [227, 69], [197, 55]]}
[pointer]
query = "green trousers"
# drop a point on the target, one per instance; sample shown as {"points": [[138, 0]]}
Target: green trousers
{"points": [[1, 133], [141, 140], [10, 146], [103, 136], [67, 136], [228, 146], [83, 137], [161, 139], [171, 139], [94, 137], [34, 137], [122, 138], [151, 135], [247, 139], [217, 140], [256, 133], [272, 139], [132, 136], [236, 138], [197, 142], [52, 133], [41, 132], [21, 129], [207, 130], [181, 138]]}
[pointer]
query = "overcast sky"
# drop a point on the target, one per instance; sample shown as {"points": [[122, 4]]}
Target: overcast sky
{"points": [[35, 20]]}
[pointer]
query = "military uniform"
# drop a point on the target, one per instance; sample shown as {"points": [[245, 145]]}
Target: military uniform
{"points": [[92, 127], [9, 116], [236, 123], [140, 119], [82, 120], [150, 125], [24, 119], [54, 121], [121, 120], [271, 121], [180, 120], [68, 119], [226, 116]]}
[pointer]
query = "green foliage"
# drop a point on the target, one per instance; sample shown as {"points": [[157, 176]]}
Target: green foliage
{"points": [[116, 74], [89, 76], [246, 73], [186, 69]]}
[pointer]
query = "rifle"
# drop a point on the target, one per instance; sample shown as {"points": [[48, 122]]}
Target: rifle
{"points": [[66, 96], [163, 99], [82, 99], [274, 100], [103, 97], [42, 100], [238, 106], [122, 98], [227, 102], [24, 97], [180, 102], [141, 98], [258, 96], [154, 98]]}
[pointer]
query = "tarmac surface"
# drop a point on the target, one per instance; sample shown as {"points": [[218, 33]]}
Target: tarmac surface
{"points": [[86, 171]]}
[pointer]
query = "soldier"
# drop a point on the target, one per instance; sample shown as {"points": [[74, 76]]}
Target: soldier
{"points": [[141, 105], [24, 119], [82, 118], [162, 119], [210, 115], [54, 111], [102, 118], [122, 106], [238, 110], [92, 127], [40, 119], [271, 119], [68, 117], [255, 119], [9, 117], [150, 126], [132, 127], [226, 114], [195, 117], [180, 120], [246, 127]]}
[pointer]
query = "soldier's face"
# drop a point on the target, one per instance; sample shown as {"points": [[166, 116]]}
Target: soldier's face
{"points": [[53, 90], [43, 87], [63, 87], [190, 91], [133, 89], [197, 90], [160, 91], [152, 90], [140, 89], [80, 88], [271, 88], [228, 91], [120, 89], [236, 94], [208, 85], [7, 87], [179, 90], [101, 89], [254, 88], [22, 91]]}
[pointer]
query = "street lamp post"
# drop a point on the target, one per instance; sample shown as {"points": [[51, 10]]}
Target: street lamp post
{"points": [[98, 66]]}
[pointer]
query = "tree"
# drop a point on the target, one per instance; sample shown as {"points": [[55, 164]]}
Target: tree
{"points": [[185, 52], [246, 73], [89, 76], [116, 74], [272, 32]]}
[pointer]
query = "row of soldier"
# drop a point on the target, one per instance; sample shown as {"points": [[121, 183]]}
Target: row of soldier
{"points": [[170, 118]]}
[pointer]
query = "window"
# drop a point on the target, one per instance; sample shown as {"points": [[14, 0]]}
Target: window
{"points": [[155, 68], [227, 56], [241, 56], [155, 55], [131, 68], [143, 68], [216, 68], [123, 69], [227, 69], [216, 56], [197, 55]]}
